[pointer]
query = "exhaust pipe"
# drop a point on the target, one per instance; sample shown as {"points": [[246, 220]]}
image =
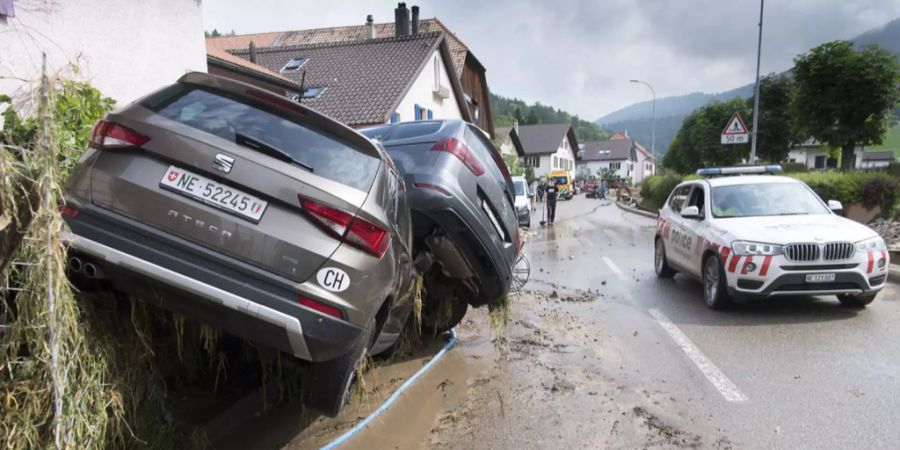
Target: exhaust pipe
{"points": [[75, 264], [92, 271]]}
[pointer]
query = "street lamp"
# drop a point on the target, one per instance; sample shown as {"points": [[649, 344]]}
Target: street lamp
{"points": [[653, 118]]}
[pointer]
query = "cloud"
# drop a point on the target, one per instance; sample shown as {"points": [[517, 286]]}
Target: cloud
{"points": [[578, 55]]}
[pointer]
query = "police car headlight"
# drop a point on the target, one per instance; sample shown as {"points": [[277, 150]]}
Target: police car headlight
{"points": [[745, 248], [875, 244]]}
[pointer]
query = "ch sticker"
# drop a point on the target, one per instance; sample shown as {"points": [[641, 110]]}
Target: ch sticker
{"points": [[335, 280]]}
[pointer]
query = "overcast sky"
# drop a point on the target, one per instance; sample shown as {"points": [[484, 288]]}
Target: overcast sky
{"points": [[579, 54]]}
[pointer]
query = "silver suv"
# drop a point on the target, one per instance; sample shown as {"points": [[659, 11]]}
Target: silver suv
{"points": [[252, 213]]}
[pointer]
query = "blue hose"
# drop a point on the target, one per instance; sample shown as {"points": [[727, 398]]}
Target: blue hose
{"points": [[396, 395]]}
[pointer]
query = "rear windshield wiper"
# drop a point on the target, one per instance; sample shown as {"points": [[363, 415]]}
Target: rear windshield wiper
{"points": [[262, 147]]}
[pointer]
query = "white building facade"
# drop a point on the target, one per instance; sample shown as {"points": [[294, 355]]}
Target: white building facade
{"points": [[125, 49], [430, 96], [545, 147]]}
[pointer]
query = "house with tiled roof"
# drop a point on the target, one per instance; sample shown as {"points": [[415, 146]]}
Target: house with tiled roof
{"points": [[220, 62], [467, 68], [370, 81], [545, 147], [621, 155]]}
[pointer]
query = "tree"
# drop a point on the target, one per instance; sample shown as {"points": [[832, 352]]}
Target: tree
{"points": [[776, 123], [698, 143], [517, 114], [532, 118], [845, 97]]}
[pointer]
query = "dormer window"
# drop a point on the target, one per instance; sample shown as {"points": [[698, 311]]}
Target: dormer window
{"points": [[293, 65]]}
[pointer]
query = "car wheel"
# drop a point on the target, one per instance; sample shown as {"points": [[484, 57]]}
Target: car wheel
{"points": [[715, 291], [857, 301], [660, 263], [439, 322], [332, 379]]}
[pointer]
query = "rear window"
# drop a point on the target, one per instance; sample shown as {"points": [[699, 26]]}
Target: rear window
{"points": [[520, 188], [226, 116]]}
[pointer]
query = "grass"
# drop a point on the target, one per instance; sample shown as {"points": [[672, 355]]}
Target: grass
{"points": [[891, 142]]}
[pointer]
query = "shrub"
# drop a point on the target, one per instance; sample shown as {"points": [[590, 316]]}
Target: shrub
{"points": [[794, 167], [873, 189], [656, 189]]}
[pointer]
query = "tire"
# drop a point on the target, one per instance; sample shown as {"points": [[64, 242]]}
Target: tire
{"points": [[444, 305], [435, 324], [715, 290], [660, 263], [857, 301], [332, 379]]}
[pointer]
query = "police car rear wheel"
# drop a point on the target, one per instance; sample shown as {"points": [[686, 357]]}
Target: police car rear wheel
{"points": [[714, 290], [856, 301], [659, 261]]}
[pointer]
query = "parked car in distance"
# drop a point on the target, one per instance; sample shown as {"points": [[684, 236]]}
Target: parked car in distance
{"points": [[523, 201], [252, 213], [466, 234], [761, 236]]}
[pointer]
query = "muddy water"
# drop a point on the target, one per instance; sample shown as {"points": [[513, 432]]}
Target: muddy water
{"points": [[558, 381]]}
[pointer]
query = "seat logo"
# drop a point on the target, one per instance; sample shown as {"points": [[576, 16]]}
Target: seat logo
{"points": [[223, 163]]}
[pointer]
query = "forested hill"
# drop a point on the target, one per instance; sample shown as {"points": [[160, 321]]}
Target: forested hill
{"points": [[506, 110]]}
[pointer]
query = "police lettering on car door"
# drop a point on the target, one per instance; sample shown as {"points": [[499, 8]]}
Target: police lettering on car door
{"points": [[681, 239]]}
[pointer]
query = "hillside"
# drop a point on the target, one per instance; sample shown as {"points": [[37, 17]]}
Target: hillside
{"points": [[507, 110], [636, 118]]}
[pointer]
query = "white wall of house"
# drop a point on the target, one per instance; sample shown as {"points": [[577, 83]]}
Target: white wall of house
{"points": [[422, 93], [621, 168], [643, 167], [562, 159], [124, 48]]}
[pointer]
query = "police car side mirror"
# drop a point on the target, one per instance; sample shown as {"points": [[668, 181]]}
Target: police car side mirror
{"points": [[690, 212], [835, 205]]}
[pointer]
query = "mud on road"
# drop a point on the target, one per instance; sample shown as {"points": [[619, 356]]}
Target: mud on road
{"points": [[555, 381]]}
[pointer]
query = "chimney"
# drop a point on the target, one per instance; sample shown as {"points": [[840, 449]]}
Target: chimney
{"points": [[401, 20], [516, 126], [370, 27], [252, 52], [415, 20]]}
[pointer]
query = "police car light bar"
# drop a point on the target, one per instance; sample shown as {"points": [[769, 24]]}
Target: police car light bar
{"points": [[712, 171]]}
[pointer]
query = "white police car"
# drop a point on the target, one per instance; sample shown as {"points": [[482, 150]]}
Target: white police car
{"points": [[756, 236]]}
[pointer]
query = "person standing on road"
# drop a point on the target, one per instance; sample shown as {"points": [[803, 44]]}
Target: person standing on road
{"points": [[550, 194], [540, 191]]}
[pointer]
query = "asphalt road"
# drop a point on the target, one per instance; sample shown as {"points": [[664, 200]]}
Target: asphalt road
{"points": [[784, 373]]}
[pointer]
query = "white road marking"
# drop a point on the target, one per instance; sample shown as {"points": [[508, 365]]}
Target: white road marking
{"points": [[715, 376], [615, 268]]}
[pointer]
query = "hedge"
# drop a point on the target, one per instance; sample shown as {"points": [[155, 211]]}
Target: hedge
{"points": [[871, 189]]}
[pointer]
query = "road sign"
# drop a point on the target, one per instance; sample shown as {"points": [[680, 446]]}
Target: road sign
{"points": [[735, 132]]}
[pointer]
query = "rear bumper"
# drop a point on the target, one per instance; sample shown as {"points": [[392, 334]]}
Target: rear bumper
{"points": [[206, 286], [524, 217]]}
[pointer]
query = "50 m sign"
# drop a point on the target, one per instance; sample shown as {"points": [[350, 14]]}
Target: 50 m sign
{"points": [[735, 138]]}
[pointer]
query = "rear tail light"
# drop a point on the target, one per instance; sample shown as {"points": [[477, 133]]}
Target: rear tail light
{"points": [[68, 211], [320, 307], [108, 135], [342, 225], [462, 151], [277, 100]]}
